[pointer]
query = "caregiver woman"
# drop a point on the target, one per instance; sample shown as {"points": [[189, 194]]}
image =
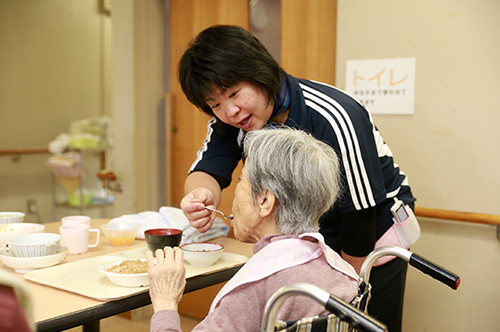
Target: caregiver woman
{"points": [[227, 73]]}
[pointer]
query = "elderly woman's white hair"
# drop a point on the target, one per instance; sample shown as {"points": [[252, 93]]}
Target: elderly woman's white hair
{"points": [[301, 171]]}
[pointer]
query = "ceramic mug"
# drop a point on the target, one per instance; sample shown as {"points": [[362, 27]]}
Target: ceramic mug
{"points": [[75, 220], [76, 238]]}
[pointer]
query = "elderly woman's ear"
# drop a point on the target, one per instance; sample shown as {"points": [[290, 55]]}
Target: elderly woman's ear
{"points": [[267, 203]]}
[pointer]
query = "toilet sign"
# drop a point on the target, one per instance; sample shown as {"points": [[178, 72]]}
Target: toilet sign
{"points": [[384, 86]]}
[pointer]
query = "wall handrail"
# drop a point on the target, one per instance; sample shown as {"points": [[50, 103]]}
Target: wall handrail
{"points": [[478, 218], [14, 152]]}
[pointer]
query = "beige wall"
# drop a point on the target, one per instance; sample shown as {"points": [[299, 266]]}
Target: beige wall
{"points": [[138, 92], [449, 148], [53, 70], [65, 60], [50, 68]]}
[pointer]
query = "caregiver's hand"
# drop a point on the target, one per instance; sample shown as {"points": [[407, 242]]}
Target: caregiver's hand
{"points": [[193, 206], [167, 278]]}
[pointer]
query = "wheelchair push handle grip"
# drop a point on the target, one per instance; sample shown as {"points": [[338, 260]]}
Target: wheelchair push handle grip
{"points": [[355, 317], [437, 272]]}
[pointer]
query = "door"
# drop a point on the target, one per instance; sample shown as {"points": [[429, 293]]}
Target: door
{"points": [[189, 125]]}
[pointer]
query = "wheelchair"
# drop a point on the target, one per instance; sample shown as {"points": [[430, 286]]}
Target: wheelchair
{"points": [[348, 317]]}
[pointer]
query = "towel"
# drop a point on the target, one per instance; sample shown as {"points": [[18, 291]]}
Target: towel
{"points": [[16, 307], [171, 217]]}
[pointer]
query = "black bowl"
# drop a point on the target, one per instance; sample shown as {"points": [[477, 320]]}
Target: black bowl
{"points": [[159, 238]]}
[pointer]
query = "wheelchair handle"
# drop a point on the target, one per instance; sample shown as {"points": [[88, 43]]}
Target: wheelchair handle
{"points": [[435, 271], [355, 317], [337, 306]]}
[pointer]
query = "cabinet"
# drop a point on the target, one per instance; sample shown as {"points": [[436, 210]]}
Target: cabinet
{"points": [[82, 183]]}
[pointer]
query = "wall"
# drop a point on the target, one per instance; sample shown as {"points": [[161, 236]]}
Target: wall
{"points": [[53, 71], [138, 91], [449, 147], [65, 60]]}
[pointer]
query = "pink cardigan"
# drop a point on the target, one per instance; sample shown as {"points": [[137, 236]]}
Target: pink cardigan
{"points": [[278, 260]]}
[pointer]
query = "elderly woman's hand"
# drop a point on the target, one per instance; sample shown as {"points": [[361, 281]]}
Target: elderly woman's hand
{"points": [[167, 278]]}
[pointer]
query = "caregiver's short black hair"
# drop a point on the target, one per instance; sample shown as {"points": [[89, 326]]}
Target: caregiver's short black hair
{"points": [[222, 56]]}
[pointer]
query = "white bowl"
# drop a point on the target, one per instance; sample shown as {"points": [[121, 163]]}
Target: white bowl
{"points": [[25, 264], [35, 245], [11, 217], [9, 231], [202, 254], [125, 279]]}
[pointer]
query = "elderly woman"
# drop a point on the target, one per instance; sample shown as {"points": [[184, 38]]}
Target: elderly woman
{"points": [[288, 181]]}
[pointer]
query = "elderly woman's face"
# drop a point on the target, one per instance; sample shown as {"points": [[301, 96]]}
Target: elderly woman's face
{"points": [[242, 106], [245, 212]]}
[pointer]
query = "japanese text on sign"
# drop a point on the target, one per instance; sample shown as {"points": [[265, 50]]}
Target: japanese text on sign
{"points": [[384, 86]]}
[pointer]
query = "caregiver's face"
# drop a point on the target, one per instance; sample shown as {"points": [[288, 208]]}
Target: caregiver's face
{"points": [[243, 106]]}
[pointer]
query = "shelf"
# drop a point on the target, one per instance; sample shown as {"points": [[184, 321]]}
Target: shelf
{"points": [[85, 185], [65, 204]]}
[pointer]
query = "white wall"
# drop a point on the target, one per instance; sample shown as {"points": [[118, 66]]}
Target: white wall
{"points": [[449, 148]]}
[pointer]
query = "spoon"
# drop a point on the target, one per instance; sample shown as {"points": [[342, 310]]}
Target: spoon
{"points": [[225, 217]]}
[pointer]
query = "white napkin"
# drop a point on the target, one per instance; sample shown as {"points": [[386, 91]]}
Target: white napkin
{"points": [[60, 143], [171, 217]]}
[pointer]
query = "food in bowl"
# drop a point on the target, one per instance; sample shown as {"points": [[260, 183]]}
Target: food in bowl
{"points": [[11, 217], [159, 238], [123, 277], [202, 254], [130, 266], [120, 234], [35, 245], [9, 231]]}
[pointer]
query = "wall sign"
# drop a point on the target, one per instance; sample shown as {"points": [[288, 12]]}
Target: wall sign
{"points": [[384, 86]]}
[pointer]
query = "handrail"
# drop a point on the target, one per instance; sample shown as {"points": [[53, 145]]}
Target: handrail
{"points": [[14, 152], [478, 218]]}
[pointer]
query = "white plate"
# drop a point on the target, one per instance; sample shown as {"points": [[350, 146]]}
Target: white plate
{"points": [[25, 264], [9, 231]]}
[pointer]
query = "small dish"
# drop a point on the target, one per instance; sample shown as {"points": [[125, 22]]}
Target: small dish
{"points": [[125, 279], [35, 245], [9, 231], [26, 264], [202, 254], [11, 217]]}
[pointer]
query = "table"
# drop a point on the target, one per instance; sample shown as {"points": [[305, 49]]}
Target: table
{"points": [[57, 310]]}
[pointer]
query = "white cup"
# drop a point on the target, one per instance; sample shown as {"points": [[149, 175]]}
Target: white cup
{"points": [[75, 220], [76, 238]]}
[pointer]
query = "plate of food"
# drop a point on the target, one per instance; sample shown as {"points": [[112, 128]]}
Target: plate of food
{"points": [[127, 272]]}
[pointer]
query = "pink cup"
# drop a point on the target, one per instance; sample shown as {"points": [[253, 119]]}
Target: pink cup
{"points": [[76, 238], [75, 220]]}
